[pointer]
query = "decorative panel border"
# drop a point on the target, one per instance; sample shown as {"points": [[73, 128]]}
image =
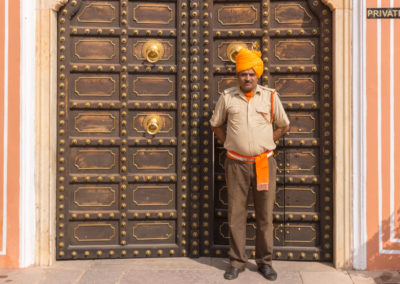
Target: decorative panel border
{"points": [[195, 88]]}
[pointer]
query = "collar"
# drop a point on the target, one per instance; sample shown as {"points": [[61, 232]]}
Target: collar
{"points": [[240, 93]]}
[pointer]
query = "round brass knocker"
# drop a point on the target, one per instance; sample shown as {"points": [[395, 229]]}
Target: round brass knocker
{"points": [[153, 51], [152, 124], [233, 49]]}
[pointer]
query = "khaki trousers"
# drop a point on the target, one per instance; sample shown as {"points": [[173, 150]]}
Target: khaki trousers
{"points": [[240, 177]]}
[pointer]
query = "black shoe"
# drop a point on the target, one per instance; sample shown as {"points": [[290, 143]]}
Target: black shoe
{"points": [[232, 273], [267, 271]]}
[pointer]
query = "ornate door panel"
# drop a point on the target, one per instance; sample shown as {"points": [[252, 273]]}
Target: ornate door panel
{"points": [[301, 70], [123, 129], [295, 39], [139, 171]]}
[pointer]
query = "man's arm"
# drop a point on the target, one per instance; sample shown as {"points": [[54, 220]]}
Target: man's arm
{"points": [[220, 133], [279, 132]]}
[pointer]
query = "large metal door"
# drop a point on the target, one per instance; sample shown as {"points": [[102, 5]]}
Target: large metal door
{"points": [[123, 129], [139, 172], [295, 40]]}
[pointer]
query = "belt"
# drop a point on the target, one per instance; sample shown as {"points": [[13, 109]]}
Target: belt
{"points": [[246, 159], [262, 166]]}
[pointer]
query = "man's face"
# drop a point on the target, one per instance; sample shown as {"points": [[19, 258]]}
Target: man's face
{"points": [[247, 80]]}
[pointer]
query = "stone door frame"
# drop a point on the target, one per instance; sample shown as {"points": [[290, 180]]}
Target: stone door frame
{"points": [[45, 126]]}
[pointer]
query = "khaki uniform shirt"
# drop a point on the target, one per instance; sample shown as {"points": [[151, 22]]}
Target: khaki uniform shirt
{"points": [[249, 132]]}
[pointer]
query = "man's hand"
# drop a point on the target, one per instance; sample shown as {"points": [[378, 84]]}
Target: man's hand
{"points": [[220, 133], [279, 132]]}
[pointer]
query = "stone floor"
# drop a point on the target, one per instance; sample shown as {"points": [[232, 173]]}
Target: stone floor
{"points": [[186, 270]]}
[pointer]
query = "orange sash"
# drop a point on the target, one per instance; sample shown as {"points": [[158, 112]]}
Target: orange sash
{"points": [[262, 166]]}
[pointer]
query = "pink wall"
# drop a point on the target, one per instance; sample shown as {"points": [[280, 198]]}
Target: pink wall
{"points": [[383, 140], [382, 136], [9, 208]]}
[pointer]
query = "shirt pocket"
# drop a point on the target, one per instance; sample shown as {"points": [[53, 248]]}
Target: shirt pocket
{"points": [[263, 114], [234, 114]]}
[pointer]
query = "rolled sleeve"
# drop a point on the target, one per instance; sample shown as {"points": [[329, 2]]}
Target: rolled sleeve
{"points": [[219, 116], [280, 117]]}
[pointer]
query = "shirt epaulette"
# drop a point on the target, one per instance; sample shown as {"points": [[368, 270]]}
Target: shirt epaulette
{"points": [[231, 91], [267, 89]]}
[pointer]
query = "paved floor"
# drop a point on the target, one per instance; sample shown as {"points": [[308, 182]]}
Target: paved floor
{"points": [[186, 270]]}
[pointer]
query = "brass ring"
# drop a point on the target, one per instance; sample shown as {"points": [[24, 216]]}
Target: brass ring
{"points": [[153, 51], [152, 124]]}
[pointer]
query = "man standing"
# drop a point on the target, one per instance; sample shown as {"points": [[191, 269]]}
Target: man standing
{"points": [[249, 111]]}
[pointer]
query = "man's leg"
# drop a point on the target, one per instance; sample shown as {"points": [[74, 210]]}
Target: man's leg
{"points": [[264, 205], [238, 177]]}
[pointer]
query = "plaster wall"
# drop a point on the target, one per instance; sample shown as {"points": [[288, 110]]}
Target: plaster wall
{"points": [[382, 128]]}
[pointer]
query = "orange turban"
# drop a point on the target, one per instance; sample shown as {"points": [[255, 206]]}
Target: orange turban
{"points": [[246, 59]]}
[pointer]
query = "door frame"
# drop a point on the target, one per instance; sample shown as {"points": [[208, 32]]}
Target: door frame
{"points": [[46, 117]]}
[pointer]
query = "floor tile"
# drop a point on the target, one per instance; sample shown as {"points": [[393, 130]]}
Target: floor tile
{"points": [[337, 277], [378, 277], [23, 276], [101, 276], [65, 276]]}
